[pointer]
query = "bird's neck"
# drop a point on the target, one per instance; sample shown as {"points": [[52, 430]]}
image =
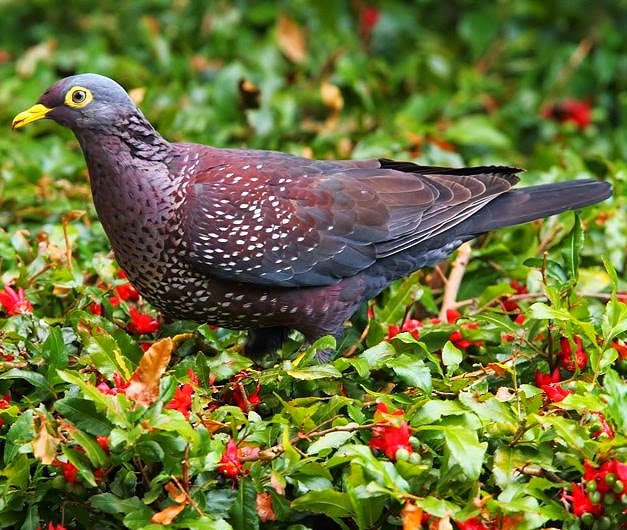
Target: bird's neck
{"points": [[134, 191]]}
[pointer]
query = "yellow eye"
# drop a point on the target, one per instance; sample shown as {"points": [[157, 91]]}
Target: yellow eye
{"points": [[78, 96]]}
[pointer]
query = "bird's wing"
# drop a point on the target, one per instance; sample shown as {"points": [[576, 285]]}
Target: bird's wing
{"points": [[278, 220]]}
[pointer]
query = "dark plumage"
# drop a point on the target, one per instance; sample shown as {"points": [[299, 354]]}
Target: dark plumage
{"points": [[267, 241]]}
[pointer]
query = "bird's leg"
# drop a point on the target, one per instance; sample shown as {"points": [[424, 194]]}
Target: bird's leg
{"points": [[264, 340]]}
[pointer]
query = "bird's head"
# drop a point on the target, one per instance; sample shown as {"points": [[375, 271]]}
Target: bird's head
{"points": [[84, 101]]}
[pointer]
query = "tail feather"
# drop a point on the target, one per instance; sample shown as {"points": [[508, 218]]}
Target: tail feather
{"points": [[534, 202]]}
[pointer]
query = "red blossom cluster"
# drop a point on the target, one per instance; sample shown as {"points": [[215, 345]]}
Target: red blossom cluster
{"points": [[600, 493], [574, 111], [231, 465], [237, 395], [182, 400], [5, 402], [457, 337], [69, 470], [140, 323], [390, 433], [621, 362], [15, 302], [369, 17], [551, 385], [565, 354], [52, 526], [511, 306], [119, 386], [410, 325]]}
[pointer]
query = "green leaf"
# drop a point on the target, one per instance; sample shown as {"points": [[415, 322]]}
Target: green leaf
{"points": [[617, 404], [84, 414], [413, 371], [109, 503], [451, 357], [405, 292], [34, 378], [311, 373], [243, 512], [332, 503], [227, 364], [476, 130], [93, 451], [465, 450], [101, 401], [331, 440], [542, 311]]}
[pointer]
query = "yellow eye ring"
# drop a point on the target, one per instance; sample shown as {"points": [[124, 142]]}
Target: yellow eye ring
{"points": [[77, 97]]}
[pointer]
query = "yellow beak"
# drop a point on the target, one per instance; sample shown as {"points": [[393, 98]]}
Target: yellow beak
{"points": [[36, 112]]}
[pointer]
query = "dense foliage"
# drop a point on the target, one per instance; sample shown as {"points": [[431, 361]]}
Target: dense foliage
{"points": [[504, 409]]}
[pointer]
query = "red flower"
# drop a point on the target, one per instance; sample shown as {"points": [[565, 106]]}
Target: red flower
{"points": [[127, 292], [452, 315], [4, 404], [15, 302], [120, 385], [103, 442], [95, 308], [570, 110], [410, 325], [59, 526], [230, 464], [142, 322], [389, 434], [471, 524], [549, 383], [182, 400], [565, 354], [192, 377], [518, 287], [621, 349], [69, 470], [246, 402], [599, 474], [368, 20], [547, 379], [555, 392], [462, 343], [581, 503]]}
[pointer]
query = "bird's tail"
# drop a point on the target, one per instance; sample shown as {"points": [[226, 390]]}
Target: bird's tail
{"points": [[534, 202]]}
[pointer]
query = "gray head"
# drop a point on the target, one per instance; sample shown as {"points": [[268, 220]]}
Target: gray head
{"points": [[84, 101]]}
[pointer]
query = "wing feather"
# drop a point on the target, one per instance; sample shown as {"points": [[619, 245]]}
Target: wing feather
{"points": [[279, 220]]}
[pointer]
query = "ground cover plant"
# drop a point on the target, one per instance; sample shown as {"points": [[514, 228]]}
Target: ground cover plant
{"points": [[487, 394]]}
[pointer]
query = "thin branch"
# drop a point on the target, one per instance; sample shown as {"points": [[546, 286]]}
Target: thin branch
{"points": [[188, 497], [455, 279], [277, 450]]}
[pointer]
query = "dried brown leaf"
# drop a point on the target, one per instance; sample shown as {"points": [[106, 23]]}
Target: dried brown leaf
{"points": [[167, 515], [175, 492], [44, 444], [277, 483], [144, 383], [332, 97], [291, 39], [265, 510], [137, 95], [411, 516]]}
